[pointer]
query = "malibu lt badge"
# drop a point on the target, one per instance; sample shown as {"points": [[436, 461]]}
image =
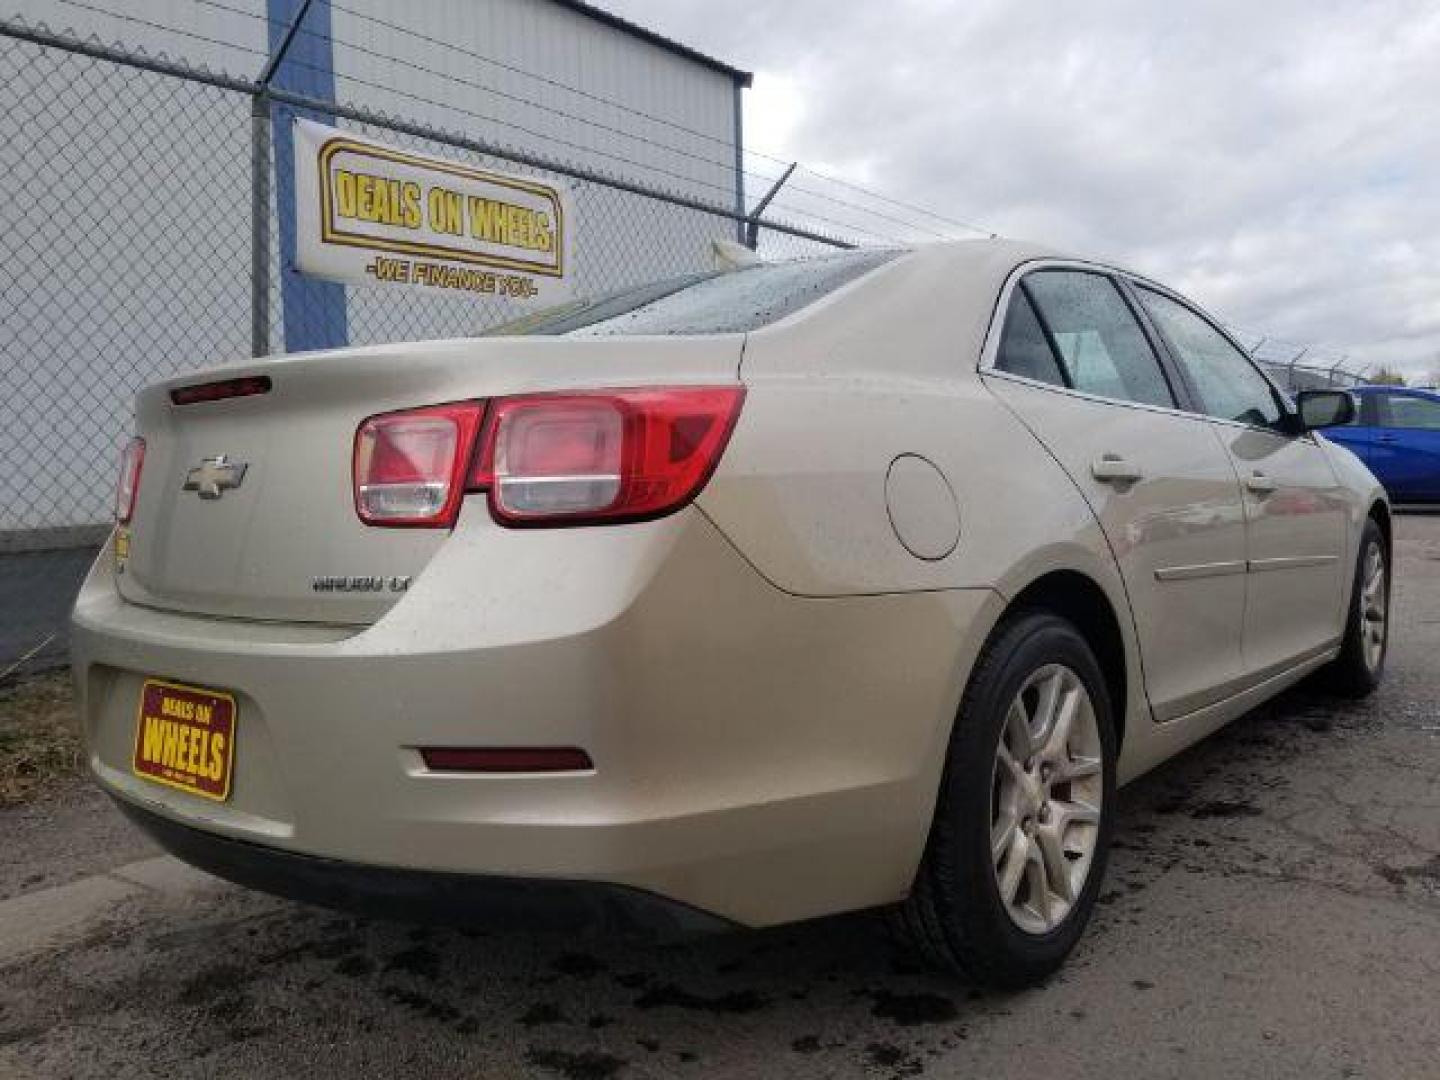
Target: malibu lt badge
{"points": [[360, 583]]}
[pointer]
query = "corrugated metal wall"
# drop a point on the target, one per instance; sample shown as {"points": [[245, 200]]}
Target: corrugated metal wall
{"points": [[559, 48], [202, 34]]}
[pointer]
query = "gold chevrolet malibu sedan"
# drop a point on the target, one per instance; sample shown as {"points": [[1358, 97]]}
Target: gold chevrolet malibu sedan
{"points": [[741, 598]]}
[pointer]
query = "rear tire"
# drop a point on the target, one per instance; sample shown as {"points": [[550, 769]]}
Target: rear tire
{"points": [[1017, 848], [1357, 671]]}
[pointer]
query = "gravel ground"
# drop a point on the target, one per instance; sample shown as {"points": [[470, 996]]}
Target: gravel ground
{"points": [[1272, 910]]}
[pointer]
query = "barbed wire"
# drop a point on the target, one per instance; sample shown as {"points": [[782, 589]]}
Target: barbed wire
{"points": [[782, 203], [557, 84]]}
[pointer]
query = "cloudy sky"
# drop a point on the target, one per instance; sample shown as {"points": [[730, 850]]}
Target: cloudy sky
{"points": [[1277, 160]]}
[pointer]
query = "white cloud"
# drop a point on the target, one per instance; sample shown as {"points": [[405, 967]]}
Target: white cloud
{"points": [[1277, 160]]}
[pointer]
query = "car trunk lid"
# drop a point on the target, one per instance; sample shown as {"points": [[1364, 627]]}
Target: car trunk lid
{"points": [[246, 506]]}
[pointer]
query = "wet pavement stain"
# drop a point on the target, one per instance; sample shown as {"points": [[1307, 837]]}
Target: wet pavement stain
{"points": [[894, 1059], [543, 1012], [420, 961], [422, 1004], [913, 1010], [671, 996], [585, 1065], [355, 966], [579, 965], [1224, 808]]}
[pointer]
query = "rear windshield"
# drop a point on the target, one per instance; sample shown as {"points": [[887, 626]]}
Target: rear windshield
{"points": [[719, 302]]}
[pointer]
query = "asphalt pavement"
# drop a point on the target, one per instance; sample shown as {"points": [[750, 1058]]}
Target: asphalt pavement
{"points": [[1272, 910], [37, 590]]}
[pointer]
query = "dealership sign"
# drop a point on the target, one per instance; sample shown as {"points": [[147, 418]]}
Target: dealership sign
{"points": [[373, 214]]}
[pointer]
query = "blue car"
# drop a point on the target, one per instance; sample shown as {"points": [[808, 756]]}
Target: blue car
{"points": [[1397, 433]]}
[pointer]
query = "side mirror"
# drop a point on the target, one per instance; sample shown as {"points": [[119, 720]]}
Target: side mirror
{"points": [[1324, 408]]}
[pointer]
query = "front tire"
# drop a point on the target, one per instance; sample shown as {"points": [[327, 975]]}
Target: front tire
{"points": [[1018, 845], [1357, 671]]}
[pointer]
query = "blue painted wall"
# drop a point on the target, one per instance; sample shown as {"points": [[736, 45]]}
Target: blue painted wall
{"points": [[313, 311]]}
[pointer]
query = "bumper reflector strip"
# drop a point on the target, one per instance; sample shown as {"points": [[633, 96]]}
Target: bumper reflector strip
{"points": [[508, 759]]}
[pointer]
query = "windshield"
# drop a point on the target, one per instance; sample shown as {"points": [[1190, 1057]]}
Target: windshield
{"points": [[717, 302]]}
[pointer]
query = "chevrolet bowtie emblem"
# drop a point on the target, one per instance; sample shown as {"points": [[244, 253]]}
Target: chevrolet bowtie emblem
{"points": [[215, 476]]}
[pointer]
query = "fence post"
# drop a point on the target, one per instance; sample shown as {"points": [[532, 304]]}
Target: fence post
{"points": [[260, 223], [260, 114], [752, 228]]}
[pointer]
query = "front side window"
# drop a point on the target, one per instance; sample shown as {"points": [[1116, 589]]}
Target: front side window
{"points": [[1407, 411], [1094, 337], [1229, 385]]}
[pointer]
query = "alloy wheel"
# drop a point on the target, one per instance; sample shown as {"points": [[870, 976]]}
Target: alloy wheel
{"points": [[1046, 799], [1374, 606]]}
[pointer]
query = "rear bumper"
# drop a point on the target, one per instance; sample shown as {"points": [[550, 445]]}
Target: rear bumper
{"points": [[460, 899], [759, 756]]}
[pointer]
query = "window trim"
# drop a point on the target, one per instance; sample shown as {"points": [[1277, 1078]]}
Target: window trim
{"points": [[1367, 411], [990, 350], [1057, 357]]}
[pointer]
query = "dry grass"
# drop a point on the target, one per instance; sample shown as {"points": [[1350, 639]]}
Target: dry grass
{"points": [[39, 737]]}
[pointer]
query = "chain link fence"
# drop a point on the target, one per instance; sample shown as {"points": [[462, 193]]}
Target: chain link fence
{"points": [[126, 233]]}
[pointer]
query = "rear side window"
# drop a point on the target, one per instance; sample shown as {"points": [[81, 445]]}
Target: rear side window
{"points": [[1406, 411], [730, 302], [1094, 341], [1229, 385]]}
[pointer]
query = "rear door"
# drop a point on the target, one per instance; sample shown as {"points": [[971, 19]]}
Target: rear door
{"points": [[1074, 363], [1406, 450], [1295, 507]]}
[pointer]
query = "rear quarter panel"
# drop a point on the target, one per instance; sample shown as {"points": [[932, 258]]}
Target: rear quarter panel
{"points": [[883, 368]]}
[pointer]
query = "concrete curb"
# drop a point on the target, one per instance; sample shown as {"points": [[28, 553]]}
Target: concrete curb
{"points": [[39, 920]]}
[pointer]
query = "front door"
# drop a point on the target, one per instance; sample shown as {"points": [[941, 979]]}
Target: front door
{"points": [[1295, 508], [1077, 369]]}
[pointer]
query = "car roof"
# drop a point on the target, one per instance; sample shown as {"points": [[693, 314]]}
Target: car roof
{"points": [[1392, 388]]}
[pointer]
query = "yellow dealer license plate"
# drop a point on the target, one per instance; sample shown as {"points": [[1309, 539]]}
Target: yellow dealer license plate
{"points": [[185, 738]]}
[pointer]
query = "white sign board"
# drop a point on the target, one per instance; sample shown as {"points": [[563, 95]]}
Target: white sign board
{"points": [[373, 214]]}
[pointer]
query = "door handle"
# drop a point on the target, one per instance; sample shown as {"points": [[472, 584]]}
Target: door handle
{"points": [[1385, 438], [1114, 469], [1260, 484]]}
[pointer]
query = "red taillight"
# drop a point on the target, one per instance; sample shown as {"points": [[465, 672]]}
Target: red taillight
{"points": [[248, 386], [545, 459], [409, 466], [604, 456], [132, 459]]}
